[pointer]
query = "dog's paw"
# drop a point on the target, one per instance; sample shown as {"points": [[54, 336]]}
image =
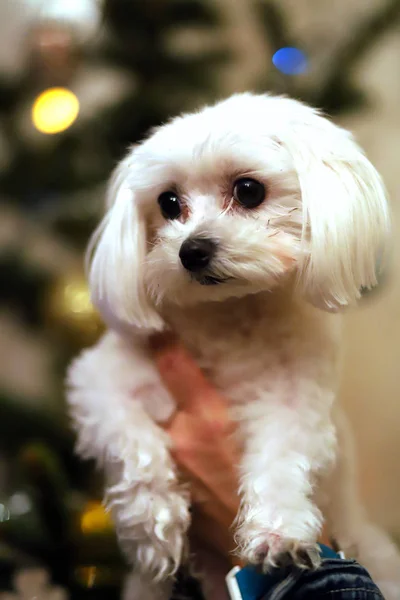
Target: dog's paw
{"points": [[277, 552], [156, 543], [280, 537], [151, 523]]}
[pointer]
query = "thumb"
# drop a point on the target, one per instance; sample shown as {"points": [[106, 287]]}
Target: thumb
{"points": [[191, 390]]}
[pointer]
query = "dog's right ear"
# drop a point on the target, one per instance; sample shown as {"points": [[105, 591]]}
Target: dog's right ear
{"points": [[116, 257], [346, 218]]}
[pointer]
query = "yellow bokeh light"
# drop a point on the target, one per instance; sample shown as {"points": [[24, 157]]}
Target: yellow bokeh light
{"points": [[95, 519], [55, 110]]}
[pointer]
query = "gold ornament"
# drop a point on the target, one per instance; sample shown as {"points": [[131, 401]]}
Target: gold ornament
{"points": [[95, 519], [70, 311]]}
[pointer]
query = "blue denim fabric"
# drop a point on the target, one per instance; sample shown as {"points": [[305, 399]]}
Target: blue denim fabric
{"points": [[336, 579]]}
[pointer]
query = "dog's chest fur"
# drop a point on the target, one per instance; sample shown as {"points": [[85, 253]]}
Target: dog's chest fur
{"points": [[248, 343]]}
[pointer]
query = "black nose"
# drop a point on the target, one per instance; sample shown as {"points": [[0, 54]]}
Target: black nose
{"points": [[196, 253]]}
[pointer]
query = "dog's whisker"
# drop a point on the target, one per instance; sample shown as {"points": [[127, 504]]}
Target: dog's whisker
{"points": [[227, 208]]}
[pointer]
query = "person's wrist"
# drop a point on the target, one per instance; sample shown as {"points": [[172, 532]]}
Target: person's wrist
{"points": [[324, 538]]}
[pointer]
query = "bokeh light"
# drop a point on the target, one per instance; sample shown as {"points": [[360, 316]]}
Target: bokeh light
{"points": [[55, 110], [95, 519], [290, 61]]}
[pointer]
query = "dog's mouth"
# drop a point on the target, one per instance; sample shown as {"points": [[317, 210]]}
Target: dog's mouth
{"points": [[210, 280]]}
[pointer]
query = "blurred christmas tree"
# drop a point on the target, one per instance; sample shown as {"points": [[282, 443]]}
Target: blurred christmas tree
{"points": [[65, 121], [92, 84]]}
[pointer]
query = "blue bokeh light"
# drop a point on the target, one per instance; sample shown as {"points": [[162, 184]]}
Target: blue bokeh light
{"points": [[290, 61]]}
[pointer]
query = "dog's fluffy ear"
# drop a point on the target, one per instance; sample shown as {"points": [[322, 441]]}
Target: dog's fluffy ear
{"points": [[345, 212], [116, 254]]}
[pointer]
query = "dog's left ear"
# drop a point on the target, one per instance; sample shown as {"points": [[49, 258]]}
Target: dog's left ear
{"points": [[116, 257], [345, 211]]}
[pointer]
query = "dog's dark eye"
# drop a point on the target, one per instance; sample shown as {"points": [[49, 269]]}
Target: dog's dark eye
{"points": [[169, 205], [248, 192]]}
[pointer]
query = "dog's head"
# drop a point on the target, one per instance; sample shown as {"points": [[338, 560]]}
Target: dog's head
{"points": [[233, 200]]}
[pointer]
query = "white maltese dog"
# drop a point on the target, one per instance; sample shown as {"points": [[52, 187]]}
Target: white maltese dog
{"points": [[242, 227]]}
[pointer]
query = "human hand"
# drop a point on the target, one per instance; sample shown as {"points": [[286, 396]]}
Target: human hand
{"points": [[203, 446]]}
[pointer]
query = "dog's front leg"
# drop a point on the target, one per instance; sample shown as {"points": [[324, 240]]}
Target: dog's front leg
{"points": [[287, 445], [113, 389]]}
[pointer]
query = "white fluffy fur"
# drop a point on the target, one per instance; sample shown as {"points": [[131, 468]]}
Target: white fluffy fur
{"points": [[259, 336]]}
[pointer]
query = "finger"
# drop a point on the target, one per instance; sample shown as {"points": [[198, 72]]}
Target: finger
{"points": [[160, 341], [220, 486], [211, 533], [181, 375], [205, 459], [206, 503], [192, 392]]}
